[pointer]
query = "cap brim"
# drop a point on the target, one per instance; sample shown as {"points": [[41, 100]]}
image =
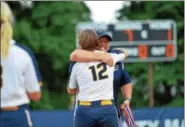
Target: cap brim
{"points": [[107, 36]]}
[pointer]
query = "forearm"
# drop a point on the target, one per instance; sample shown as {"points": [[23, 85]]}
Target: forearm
{"points": [[72, 91], [34, 96], [72, 102], [127, 91], [85, 56], [127, 94], [120, 57], [124, 52]]}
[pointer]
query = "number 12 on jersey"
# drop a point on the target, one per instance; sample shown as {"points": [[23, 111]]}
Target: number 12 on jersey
{"points": [[99, 71]]}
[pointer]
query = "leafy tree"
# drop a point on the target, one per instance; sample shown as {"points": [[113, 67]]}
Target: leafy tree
{"points": [[167, 76], [49, 29]]}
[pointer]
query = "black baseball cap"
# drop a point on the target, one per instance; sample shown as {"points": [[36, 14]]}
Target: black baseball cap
{"points": [[104, 34]]}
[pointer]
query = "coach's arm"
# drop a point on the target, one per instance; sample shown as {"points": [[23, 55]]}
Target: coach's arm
{"points": [[127, 91], [126, 88]]}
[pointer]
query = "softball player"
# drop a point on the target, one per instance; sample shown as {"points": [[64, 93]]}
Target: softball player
{"points": [[121, 77], [20, 76], [93, 83]]}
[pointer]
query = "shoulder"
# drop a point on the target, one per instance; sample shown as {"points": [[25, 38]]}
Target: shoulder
{"points": [[28, 56], [126, 77], [27, 53], [116, 51], [24, 49], [21, 50], [72, 66], [125, 74]]}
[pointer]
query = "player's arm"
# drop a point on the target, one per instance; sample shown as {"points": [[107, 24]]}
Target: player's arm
{"points": [[72, 102], [80, 55], [72, 87], [72, 91], [32, 82], [119, 57]]}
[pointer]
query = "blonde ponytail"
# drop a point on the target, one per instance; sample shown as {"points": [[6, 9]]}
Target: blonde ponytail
{"points": [[6, 36], [6, 29]]}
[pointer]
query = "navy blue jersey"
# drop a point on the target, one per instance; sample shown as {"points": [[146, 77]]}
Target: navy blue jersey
{"points": [[121, 77]]}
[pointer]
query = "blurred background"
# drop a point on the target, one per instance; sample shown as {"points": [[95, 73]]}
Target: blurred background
{"points": [[48, 28]]}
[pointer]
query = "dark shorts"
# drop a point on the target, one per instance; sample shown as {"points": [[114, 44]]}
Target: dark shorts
{"points": [[19, 118], [96, 115]]}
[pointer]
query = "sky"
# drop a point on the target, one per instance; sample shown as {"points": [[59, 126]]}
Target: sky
{"points": [[104, 11]]}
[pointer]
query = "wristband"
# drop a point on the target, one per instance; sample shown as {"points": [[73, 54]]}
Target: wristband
{"points": [[129, 99], [127, 102]]}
